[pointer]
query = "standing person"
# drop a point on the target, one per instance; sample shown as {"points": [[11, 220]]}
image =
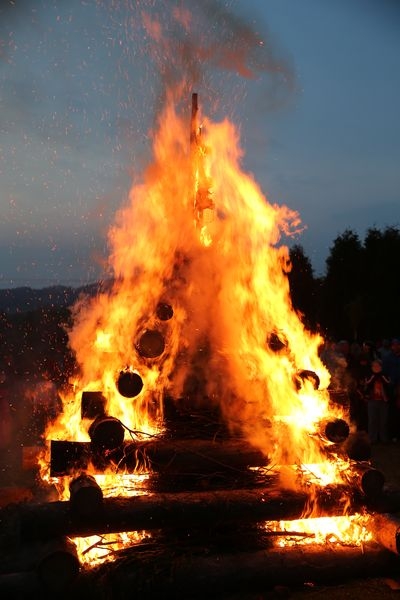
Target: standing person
{"points": [[360, 370], [391, 368], [377, 393]]}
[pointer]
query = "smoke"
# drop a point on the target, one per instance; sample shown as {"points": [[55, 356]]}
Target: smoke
{"points": [[205, 46]]}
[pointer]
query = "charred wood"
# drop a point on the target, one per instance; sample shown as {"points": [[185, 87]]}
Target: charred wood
{"points": [[54, 561], [93, 405], [86, 495], [386, 530], [182, 456], [191, 575], [335, 430], [41, 521], [370, 481], [129, 383], [106, 433]]}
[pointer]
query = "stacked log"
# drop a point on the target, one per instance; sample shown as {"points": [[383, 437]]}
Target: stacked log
{"points": [[228, 575], [188, 509]]}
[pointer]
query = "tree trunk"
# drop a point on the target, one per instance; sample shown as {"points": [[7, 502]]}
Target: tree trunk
{"points": [[188, 509], [180, 456], [180, 576]]}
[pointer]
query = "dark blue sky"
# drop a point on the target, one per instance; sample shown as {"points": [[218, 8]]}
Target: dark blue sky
{"points": [[78, 93]]}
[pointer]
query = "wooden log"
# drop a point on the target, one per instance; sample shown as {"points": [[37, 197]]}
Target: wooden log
{"points": [[184, 509], [67, 457], [356, 447], [86, 495], [386, 530], [335, 430], [106, 433], [167, 456], [93, 405], [164, 311], [129, 383], [151, 344], [54, 561], [59, 565], [179, 576], [371, 482]]}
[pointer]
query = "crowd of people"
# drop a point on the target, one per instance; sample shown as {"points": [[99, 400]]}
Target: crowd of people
{"points": [[368, 374]]}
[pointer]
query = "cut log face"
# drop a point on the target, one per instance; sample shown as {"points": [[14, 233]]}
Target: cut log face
{"points": [[59, 566], [164, 311], [151, 344], [372, 482], [275, 343], [86, 495], [52, 557], [306, 375], [92, 405], [106, 433], [335, 431], [129, 384], [67, 457]]}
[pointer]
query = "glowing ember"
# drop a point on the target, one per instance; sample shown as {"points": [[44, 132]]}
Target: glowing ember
{"points": [[350, 530], [97, 549]]}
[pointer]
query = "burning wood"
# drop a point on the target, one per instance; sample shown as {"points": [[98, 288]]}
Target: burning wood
{"points": [[335, 431], [171, 456], [51, 565], [386, 529], [106, 434], [159, 570], [183, 509], [151, 344], [86, 496], [227, 340], [164, 311], [93, 405], [129, 384]]}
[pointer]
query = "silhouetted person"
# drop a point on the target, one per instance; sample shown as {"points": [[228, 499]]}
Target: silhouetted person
{"points": [[360, 370], [391, 368], [377, 393]]}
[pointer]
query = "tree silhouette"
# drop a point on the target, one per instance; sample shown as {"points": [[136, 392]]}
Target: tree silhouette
{"points": [[303, 286], [342, 289], [382, 282]]}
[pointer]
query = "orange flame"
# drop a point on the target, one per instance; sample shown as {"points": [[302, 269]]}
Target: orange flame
{"points": [[199, 234]]}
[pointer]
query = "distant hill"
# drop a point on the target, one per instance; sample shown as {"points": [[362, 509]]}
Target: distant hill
{"points": [[26, 299]]}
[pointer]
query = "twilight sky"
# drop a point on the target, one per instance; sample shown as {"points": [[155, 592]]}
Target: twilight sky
{"points": [[319, 118]]}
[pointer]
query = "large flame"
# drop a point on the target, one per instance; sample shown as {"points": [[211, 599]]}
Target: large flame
{"points": [[225, 276], [199, 235]]}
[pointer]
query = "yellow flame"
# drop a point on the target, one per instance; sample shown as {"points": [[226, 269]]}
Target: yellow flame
{"points": [[352, 530], [225, 277]]}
